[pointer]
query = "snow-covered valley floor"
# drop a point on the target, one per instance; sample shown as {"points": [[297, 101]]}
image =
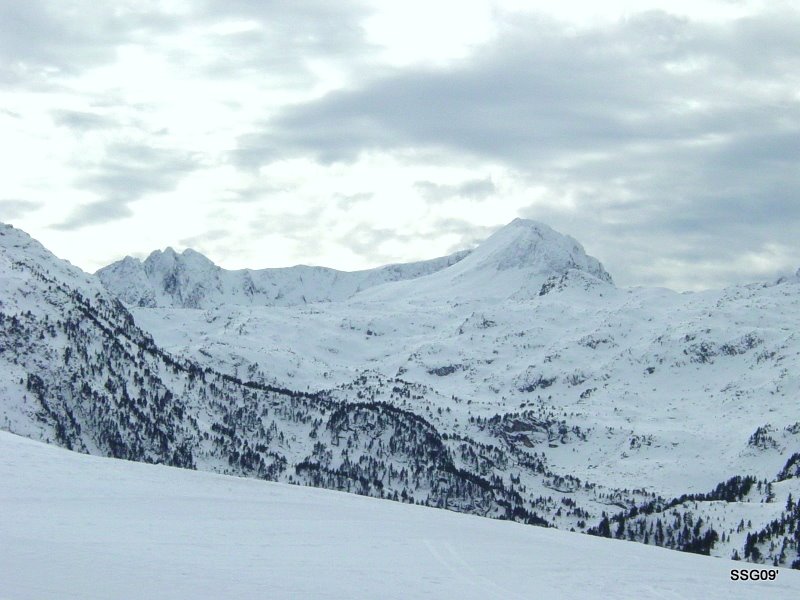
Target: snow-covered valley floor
{"points": [[77, 526]]}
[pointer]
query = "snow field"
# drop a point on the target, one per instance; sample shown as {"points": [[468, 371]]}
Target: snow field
{"points": [[81, 527]]}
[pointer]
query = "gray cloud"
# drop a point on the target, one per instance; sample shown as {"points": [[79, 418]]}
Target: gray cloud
{"points": [[468, 234], [258, 192], [348, 201], [94, 213], [366, 241], [289, 35], [13, 209], [44, 43], [305, 230], [128, 172], [473, 189], [312, 27], [668, 147], [40, 40], [131, 170], [204, 241], [81, 121], [666, 135], [539, 90]]}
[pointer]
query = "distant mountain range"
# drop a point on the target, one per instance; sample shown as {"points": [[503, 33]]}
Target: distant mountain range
{"points": [[514, 380], [190, 280]]}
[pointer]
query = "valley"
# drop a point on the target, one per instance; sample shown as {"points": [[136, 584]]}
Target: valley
{"points": [[513, 380]]}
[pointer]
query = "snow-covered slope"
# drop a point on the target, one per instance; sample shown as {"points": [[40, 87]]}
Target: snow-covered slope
{"points": [[513, 263], [518, 383], [76, 370], [77, 527], [190, 280], [528, 322], [526, 343], [516, 260]]}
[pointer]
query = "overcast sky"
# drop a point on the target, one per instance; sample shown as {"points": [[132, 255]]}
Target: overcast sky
{"points": [[665, 136]]}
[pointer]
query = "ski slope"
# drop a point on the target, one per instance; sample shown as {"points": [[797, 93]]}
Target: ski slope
{"points": [[78, 526]]}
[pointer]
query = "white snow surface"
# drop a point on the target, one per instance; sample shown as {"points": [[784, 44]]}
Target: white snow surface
{"points": [[82, 527], [516, 258], [633, 391], [668, 387], [190, 280]]}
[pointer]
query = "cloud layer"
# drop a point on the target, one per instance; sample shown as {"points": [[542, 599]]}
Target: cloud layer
{"points": [[668, 145], [677, 137]]}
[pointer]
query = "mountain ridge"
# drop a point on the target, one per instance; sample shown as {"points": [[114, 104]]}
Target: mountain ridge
{"points": [[190, 280], [641, 414]]}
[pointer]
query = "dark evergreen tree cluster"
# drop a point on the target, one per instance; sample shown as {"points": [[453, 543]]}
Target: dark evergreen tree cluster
{"points": [[779, 541], [674, 525]]}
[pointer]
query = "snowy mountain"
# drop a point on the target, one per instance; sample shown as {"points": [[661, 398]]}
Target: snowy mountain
{"points": [[515, 381], [198, 535], [513, 260], [190, 280], [511, 264], [77, 371]]}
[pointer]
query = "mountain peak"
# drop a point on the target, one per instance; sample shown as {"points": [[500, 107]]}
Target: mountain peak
{"points": [[513, 263], [537, 247], [522, 222], [169, 258], [517, 258], [191, 280]]}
